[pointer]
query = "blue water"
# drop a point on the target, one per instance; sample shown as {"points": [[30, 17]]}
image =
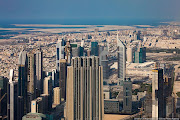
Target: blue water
{"points": [[106, 21]]}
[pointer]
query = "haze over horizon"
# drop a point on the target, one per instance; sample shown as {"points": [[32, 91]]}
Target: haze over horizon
{"points": [[89, 9]]}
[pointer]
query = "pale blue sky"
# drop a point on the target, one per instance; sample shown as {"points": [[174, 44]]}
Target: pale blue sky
{"points": [[84, 9]]}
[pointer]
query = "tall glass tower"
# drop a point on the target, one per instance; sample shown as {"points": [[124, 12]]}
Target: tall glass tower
{"points": [[121, 56], [60, 53], [94, 49], [22, 80]]}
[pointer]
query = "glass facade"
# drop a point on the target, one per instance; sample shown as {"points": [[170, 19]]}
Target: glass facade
{"points": [[94, 49]]}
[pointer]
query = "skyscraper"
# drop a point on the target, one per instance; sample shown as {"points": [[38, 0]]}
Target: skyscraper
{"points": [[37, 105], [60, 52], [68, 52], [130, 54], [20, 107], [57, 97], [54, 78], [81, 51], [12, 97], [63, 78], [3, 96], [75, 52], [127, 96], [85, 89], [31, 73], [31, 79], [158, 102], [12, 100], [121, 56], [39, 70], [103, 61], [48, 90], [136, 35], [47, 101], [140, 55], [22, 79], [47, 85], [94, 49]]}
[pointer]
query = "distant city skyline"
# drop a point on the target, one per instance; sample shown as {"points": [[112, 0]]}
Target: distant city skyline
{"points": [[89, 9]]}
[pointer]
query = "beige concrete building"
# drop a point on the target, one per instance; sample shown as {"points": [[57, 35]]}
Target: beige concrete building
{"points": [[130, 54], [31, 73], [37, 105], [85, 89], [56, 96], [47, 85]]}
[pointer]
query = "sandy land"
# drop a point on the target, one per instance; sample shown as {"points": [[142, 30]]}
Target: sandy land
{"points": [[88, 29], [14, 28], [85, 28], [114, 117], [144, 26], [54, 25], [6, 41]]}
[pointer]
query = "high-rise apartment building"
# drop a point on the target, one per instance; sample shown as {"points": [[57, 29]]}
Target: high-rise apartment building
{"points": [[39, 70], [56, 97], [140, 55], [121, 56], [94, 49], [85, 89], [127, 96], [63, 78], [48, 90], [31, 79], [47, 102], [68, 52], [47, 85], [103, 61], [31, 73], [22, 79], [60, 47], [40, 104], [20, 107], [137, 35], [12, 97], [54, 78], [81, 51], [3, 96], [59, 52], [75, 50], [130, 54], [158, 102], [37, 105]]}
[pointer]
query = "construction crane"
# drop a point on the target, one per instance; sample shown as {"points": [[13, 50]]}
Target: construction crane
{"points": [[3, 97]]}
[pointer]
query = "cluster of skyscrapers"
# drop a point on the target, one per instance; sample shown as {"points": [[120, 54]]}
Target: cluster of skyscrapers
{"points": [[74, 90]]}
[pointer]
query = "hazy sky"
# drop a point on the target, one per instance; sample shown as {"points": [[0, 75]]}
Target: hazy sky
{"points": [[62, 9]]}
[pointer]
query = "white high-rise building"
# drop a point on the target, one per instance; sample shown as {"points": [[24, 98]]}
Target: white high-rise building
{"points": [[60, 47], [12, 96], [121, 55]]}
